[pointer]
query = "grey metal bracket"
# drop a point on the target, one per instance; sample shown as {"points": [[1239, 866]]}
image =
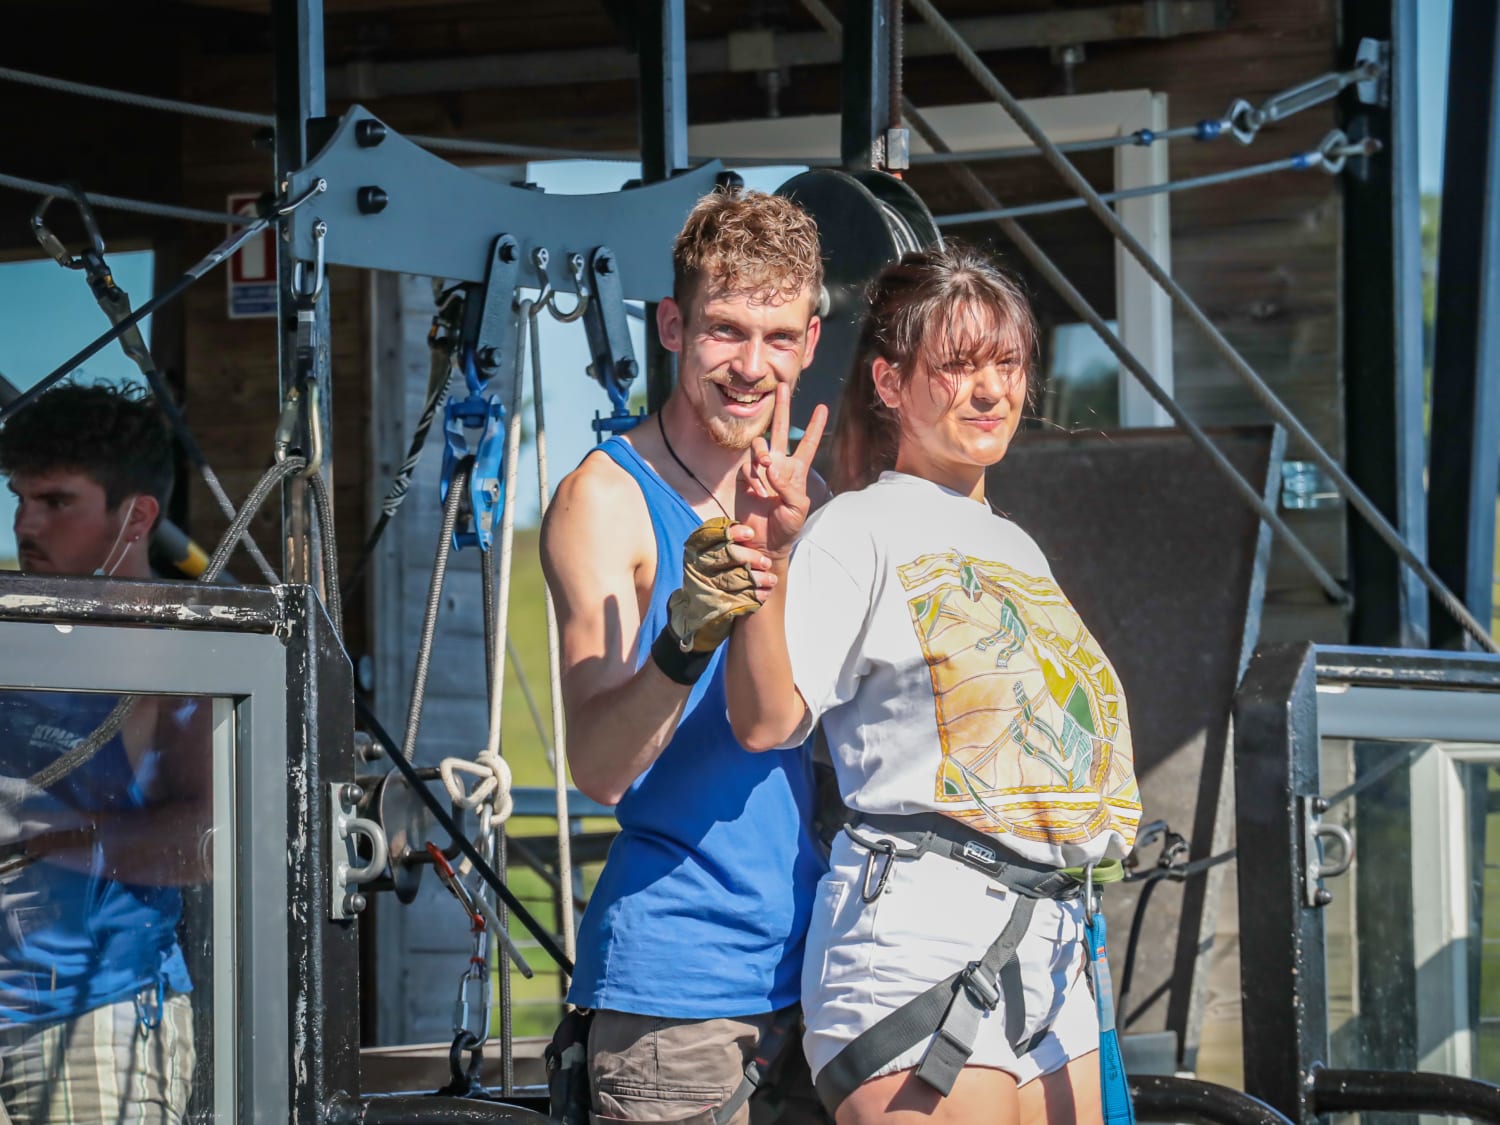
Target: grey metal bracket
{"points": [[494, 335], [1314, 831], [608, 328], [391, 205], [345, 871]]}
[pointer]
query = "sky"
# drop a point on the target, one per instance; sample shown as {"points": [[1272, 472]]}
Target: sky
{"points": [[1434, 22], [49, 313]]}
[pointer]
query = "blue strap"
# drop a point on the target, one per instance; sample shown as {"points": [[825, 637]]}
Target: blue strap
{"points": [[1114, 1086]]}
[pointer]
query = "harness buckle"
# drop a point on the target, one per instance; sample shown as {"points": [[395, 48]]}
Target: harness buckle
{"points": [[980, 989]]}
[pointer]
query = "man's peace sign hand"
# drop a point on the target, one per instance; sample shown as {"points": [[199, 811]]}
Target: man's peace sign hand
{"points": [[773, 498]]}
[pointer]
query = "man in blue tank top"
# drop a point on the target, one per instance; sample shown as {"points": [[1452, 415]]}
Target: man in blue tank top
{"points": [[692, 942], [95, 1023]]}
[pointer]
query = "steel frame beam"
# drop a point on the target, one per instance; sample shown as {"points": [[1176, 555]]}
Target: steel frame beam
{"points": [[662, 51], [1385, 448], [1141, 19], [1283, 980], [297, 33], [1465, 442], [866, 83]]}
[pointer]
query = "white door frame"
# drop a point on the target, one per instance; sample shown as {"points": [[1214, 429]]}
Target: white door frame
{"points": [[1142, 310]]}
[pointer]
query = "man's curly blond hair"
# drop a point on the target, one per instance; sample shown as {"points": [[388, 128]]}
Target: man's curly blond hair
{"points": [[747, 242]]}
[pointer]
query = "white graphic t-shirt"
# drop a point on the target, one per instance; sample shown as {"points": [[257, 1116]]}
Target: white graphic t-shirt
{"points": [[952, 675]]}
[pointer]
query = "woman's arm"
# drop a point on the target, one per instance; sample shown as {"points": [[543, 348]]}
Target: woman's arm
{"points": [[765, 708]]}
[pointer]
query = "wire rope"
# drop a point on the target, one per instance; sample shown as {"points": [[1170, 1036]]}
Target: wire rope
{"points": [[554, 671], [1226, 351]]}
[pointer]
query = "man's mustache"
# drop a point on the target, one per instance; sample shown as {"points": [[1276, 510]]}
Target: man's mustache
{"points": [[29, 547]]}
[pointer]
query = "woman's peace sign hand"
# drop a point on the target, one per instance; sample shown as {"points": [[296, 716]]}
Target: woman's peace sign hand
{"points": [[773, 499]]}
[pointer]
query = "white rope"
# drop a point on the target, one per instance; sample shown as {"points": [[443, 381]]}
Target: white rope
{"points": [[554, 671], [491, 796]]}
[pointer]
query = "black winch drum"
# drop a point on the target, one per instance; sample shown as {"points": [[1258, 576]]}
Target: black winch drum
{"points": [[866, 221]]}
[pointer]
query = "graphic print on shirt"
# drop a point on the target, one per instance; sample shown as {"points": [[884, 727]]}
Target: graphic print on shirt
{"points": [[1030, 716]]}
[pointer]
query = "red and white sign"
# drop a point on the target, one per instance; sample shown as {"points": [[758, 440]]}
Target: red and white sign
{"points": [[252, 270]]}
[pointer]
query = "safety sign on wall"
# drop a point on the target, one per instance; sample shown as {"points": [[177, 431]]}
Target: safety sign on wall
{"points": [[252, 270]]}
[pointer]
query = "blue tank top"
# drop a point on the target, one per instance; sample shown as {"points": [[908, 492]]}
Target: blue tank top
{"points": [[702, 908], [72, 941]]}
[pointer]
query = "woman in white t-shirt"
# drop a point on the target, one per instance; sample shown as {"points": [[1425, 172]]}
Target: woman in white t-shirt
{"points": [[976, 727]]}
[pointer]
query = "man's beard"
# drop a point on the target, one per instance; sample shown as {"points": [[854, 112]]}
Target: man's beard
{"points": [[728, 431], [735, 433]]}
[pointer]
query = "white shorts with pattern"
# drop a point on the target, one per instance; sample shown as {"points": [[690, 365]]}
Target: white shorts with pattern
{"points": [[935, 915]]}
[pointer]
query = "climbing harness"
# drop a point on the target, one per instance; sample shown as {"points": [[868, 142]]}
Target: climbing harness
{"points": [[949, 1013]]}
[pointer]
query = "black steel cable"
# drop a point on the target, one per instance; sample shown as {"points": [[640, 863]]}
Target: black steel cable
{"points": [[445, 820], [269, 480], [437, 391], [1175, 874], [214, 257], [323, 509], [456, 489]]}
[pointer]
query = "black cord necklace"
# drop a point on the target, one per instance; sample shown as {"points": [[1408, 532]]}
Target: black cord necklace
{"points": [[712, 495]]}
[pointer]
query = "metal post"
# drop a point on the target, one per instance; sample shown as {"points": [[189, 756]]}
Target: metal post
{"points": [[867, 84], [1283, 981], [1465, 470], [298, 42], [664, 149], [1385, 446]]}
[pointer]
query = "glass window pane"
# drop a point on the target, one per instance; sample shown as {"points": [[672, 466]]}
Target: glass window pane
{"points": [[116, 943], [1413, 932]]}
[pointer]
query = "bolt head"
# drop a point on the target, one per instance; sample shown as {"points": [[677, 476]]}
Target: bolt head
{"points": [[355, 903], [604, 264], [1323, 897], [352, 793]]}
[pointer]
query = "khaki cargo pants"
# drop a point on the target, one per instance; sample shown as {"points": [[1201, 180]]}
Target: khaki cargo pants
{"points": [[650, 1068]]}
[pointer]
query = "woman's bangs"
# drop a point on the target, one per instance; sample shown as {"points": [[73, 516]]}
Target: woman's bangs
{"points": [[978, 332]]}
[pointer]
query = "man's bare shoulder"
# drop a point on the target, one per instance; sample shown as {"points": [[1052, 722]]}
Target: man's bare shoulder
{"points": [[597, 505]]}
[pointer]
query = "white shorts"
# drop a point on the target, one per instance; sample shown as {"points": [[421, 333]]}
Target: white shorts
{"points": [[865, 960]]}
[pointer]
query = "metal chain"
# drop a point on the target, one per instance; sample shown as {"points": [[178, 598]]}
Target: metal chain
{"points": [[1180, 298]]}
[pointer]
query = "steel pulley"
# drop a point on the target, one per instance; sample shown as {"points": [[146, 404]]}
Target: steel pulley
{"points": [[866, 221]]}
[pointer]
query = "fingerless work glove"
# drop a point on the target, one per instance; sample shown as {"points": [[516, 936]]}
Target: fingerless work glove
{"points": [[715, 589]]}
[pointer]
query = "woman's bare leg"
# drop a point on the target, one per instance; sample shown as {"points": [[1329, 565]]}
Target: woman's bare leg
{"points": [[981, 1094], [1064, 1096]]}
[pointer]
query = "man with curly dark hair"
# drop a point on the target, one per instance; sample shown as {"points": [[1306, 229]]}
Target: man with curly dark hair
{"points": [[91, 469], [95, 1021]]}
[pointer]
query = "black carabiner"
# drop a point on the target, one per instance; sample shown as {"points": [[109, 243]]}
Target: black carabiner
{"points": [[880, 847]]}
